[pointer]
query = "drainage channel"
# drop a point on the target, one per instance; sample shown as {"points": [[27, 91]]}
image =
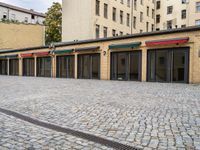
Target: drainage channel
{"points": [[89, 137]]}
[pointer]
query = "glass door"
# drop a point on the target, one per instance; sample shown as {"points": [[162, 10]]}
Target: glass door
{"points": [[28, 67], [168, 65], [44, 66], [3, 67], [89, 66], [14, 67]]}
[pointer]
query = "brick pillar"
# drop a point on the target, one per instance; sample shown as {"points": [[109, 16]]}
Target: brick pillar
{"points": [[76, 66], [144, 64], [20, 66], [53, 72], [8, 67], [35, 65]]}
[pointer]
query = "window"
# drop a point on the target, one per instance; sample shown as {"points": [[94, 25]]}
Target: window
{"points": [[169, 9], [197, 22], [141, 2], [32, 16], [121, 17], [147, 11], [135, 4], [114, 14], [97, 31], [183, 14], [97, 7], [141, 16], [122, 1], [26, 19], [128, 20], [147, 26], [121, 33], [184, 1], [153, 13], [169, 24], [113, 32], [152, 27], [158, 5], [105, 32], [157, 18], [105, 10], [198, 6], [4, 15], [128, 3], [134, 22], [183, 26]]}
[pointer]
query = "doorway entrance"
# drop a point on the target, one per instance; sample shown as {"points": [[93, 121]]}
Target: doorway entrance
{"points": [[168, 65]]}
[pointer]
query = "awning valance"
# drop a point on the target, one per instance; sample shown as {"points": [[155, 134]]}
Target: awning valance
{"points": [[87, 49], [167, 41], [126, 45], [12, 56], [2, 57], [63, 51], [42, 54], [26, 55]]}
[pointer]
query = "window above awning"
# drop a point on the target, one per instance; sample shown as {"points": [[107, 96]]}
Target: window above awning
{"points": [[125, 46], [167, 41], [87, 49], [63, 51], [42, 54], [26, 55]]}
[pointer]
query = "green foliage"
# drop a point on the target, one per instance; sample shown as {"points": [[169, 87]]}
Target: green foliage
{"points": [[53, 23]]}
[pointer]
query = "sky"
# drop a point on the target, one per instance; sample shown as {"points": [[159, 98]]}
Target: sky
{"points": [[37, 5]]}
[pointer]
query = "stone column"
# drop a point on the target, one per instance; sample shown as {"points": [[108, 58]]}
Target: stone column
{"points": [[20, 66], [76, 66], [35, 66], [144, 64]]}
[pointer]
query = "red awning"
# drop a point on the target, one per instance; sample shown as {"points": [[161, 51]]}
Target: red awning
{"points": [[167, 42], [42, 53], [26, 55]]}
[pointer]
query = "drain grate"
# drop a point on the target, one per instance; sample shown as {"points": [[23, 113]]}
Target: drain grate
{"points": [[89, 137]]}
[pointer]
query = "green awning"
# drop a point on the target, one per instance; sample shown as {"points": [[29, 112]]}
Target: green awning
{"points": [[64, 51], [2, 57], [127, 45]]}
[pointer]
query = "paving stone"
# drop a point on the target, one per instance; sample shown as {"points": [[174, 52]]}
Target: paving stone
{"points": [[148, 115]]}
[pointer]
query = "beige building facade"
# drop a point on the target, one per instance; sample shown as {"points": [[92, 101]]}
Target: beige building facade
{"points": [[14, 36], [90, 19], [176, 14]]}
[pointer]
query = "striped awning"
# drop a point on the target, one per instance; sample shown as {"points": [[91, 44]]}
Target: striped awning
{"points": [[167, 41], [27, 55], [63, 51], [125, 46], [41, 54], [2, 57], [87, 49], [12, 56]]}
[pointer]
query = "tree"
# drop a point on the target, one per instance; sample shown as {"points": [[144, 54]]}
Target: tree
{"points": [[53, 23]]}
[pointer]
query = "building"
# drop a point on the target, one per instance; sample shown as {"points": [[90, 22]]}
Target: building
{"points": [[162, 56], [14, 36], [90, 19], [14, 13], [106, 18], [177, 13]]}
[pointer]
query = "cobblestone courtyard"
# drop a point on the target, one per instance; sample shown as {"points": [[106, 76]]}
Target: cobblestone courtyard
{"points": [[142, 115]]}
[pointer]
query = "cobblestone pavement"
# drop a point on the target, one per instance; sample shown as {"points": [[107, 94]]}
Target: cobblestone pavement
{"points": [[16, 134], [143, 115]]}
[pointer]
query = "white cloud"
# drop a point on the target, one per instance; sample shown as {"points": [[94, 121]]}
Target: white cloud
{"points": [[38, 5]]}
